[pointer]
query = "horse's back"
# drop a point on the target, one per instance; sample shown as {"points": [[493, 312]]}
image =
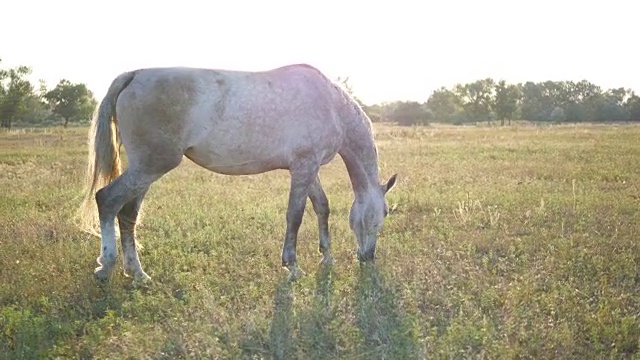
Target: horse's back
{"points": [[234, 121]]}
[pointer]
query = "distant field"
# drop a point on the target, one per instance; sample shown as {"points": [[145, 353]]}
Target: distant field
{"points": [[514, 242]]}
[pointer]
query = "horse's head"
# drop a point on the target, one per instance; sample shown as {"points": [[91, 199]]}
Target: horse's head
{"points": [[367, 217]]}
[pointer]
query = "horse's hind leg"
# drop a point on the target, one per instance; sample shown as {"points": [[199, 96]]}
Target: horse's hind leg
{"points": [[321, 207], [127, 218], [110, 200]]}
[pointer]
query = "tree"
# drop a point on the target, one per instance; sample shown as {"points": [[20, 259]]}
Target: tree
{"points": [[584, 90], [558, 115], [36, 112], [14, 91], [476, 99], [375, 112], [633, 107], [617, 96], [591, 96], [557, 94], [610, 105], [411, 113], [73, 102], [610, 111], [533, 107], [506, 101], [444, 104], [576, 112]]}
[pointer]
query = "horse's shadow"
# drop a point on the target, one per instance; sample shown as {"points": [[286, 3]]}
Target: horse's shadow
{"points": [[281, 330], [384, 329], [310, 330]]}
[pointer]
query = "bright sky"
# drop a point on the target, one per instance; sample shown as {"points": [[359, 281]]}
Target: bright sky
{"points": [[390, 50]]}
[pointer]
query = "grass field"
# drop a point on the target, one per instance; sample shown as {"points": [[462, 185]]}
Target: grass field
{"points": [[514, 242]]}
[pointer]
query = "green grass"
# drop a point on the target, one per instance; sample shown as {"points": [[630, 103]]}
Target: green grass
{"points": [[515, 242]]}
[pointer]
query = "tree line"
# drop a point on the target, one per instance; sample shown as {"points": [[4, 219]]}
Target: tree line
{"points": [[491, 101], [23, 104]]}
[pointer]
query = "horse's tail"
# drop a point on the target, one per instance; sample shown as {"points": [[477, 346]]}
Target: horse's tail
{"points": [[103, 164]]}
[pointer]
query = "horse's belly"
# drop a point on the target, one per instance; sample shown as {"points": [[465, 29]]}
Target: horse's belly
{"points": [[236, 162], [244, 169], [252, 147]]}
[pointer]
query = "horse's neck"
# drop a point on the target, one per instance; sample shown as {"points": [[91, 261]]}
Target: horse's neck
{"points": [[360, 156]]}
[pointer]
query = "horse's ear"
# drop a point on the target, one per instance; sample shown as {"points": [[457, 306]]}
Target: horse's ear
{"points": [[392, 181]]}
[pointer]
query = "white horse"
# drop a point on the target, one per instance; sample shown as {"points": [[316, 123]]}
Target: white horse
{"points": [[234, 123]]}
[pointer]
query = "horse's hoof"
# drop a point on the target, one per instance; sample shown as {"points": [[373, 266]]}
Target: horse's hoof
{"points": [[134, 272], [368, 256], [295, 273], [101, 274], [327, 260], [141, 280]]}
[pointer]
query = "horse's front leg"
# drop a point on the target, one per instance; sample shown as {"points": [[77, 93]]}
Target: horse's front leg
{"points": [[301, 179], [321, 208]]}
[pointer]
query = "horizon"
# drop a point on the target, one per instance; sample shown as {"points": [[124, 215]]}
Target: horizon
{"points": [[399, 52]]}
